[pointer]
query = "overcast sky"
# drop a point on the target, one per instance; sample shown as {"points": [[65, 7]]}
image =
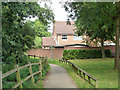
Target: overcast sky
{"points": [[58, 10]]}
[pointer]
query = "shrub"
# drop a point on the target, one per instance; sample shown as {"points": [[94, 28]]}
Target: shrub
{"points": [[84, 54], [10, 81]]}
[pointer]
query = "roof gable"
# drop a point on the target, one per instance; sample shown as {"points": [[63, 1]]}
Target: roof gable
{"points": [[61, 27]]}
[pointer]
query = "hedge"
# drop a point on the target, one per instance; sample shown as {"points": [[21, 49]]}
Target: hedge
{"points": [[84, 54]]}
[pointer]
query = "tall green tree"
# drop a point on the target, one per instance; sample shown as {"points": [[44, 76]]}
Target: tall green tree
{"points": [[97, 20], [18, 35], [92, 21], [40, 29]]}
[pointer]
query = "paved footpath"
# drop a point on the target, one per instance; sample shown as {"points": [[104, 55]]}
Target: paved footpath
{"points": [[57, 77]]}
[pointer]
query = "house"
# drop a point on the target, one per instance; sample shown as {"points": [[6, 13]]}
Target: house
{"points": [[63, 34], [64, 37]]}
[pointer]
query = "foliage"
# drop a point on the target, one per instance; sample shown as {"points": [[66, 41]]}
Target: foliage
{"points": [[93, 20], [38, 42], [40, 29], [10, 81], [84, 54], [17, 34], [8, 84]]}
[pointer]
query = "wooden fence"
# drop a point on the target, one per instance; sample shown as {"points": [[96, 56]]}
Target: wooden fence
{"points": [[17, 69], [81, 72], [35, 56]]}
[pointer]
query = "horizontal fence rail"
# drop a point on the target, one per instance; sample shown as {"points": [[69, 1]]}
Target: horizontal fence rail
{"points": [[17, 71], [35, 56], [81, 73]]}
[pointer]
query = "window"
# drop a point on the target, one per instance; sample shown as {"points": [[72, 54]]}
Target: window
{"points": [[76, 37], [64, 37]]}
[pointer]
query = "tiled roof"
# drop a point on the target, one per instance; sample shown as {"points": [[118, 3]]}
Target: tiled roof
{"points": [[61, 27], [46, 41]]}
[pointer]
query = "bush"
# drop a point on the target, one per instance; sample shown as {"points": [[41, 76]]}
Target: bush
{"points": [[84, 54], [10, 81]]}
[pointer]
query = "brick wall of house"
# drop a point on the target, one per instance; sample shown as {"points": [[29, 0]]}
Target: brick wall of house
{"points": [[57, 53], [70, 40]]}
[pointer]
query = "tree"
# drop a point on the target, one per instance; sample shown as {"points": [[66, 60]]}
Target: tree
{"points": [[40, 29], [97, 20], [92, 21], [117, 18], [18, 35]]}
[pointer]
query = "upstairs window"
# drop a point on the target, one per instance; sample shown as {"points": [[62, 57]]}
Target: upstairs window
{"points": [[76, 37], [64, 37]]}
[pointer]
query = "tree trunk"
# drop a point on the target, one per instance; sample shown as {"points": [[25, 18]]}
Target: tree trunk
{"points": [[102, 49], [116, 62]]}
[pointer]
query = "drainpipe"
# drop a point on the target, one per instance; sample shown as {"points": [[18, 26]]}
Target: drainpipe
{"points": [[51, 48]]}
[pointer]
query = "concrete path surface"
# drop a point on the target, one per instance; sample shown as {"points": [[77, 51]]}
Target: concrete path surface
{"points": [[57, 77]]}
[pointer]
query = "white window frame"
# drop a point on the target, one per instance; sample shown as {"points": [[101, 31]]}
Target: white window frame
{"points": [[64, 36]]}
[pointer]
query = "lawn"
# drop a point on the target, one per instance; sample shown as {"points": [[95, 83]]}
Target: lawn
{"points": [[99, 68]]}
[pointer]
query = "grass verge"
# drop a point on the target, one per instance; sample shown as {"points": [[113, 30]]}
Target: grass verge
{"points": [[102, 69], [99, 68], [79, 82]]}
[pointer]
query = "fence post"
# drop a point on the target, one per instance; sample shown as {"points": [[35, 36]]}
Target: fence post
{"points": [[77, 71], [83, 75], [96, 86], [80, 73], [1, 80], [45, 59], [88, 79], [40, 68], [31, 73], [18, 76], [43, 62]]}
